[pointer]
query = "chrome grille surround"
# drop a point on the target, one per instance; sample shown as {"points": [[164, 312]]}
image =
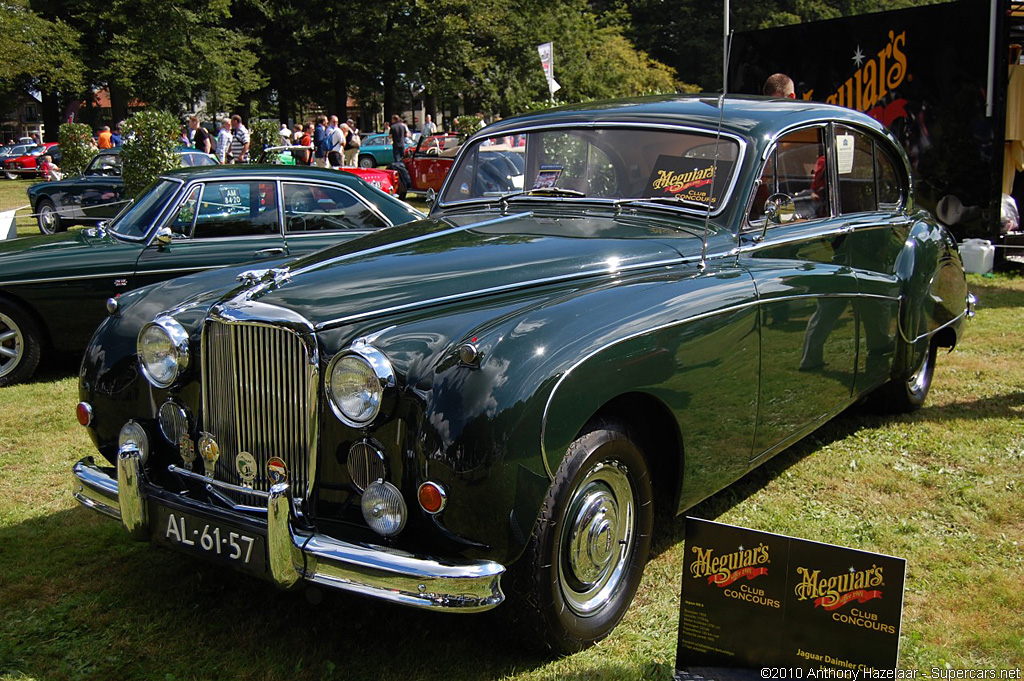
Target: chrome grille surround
{"points": [[260, 395]]}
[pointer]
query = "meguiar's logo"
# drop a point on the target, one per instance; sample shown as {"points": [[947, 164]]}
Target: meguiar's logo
{"points": [[874, 78], [834, 592], [726, 569]]}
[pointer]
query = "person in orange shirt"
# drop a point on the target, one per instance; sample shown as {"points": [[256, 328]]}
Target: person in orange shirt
{"points": [[103, 138]]}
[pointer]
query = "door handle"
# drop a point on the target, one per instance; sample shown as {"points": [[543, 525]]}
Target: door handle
{"points": [[268, 252]]}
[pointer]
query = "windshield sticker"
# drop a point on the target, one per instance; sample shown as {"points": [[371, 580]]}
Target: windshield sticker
{"points": [[688, 179], [547, 176], [844, 153], [464, 189]]}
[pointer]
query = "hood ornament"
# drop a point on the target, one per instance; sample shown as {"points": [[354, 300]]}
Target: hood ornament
{"points": [[263, 279]]}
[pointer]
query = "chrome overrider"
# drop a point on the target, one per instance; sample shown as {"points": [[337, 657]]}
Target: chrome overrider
{"points": [[294, 555]]}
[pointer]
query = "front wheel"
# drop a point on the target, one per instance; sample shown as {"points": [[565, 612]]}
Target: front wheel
{"points": [[20, 344], [48, 217], [589, 547], [367, 161], [10, 175]]}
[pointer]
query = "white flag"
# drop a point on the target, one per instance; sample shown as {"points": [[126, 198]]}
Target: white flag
{"points": [[546, 52]]}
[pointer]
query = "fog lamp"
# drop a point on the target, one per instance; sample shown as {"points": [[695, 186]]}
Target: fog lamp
{"points": [[133, 436], [432, 497], [384, 508]]}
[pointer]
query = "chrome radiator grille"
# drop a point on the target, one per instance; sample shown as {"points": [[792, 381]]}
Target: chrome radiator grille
{"points": [[260, 397]]}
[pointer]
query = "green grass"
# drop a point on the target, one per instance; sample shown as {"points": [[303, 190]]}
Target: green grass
{"points": [[12, 195], [941, 487]]}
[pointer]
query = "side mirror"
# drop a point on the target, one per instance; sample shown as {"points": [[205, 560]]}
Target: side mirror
{"points": [[430, 197], [164, 235]]}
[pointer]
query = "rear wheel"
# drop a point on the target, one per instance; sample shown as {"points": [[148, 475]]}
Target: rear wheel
{"points": [[20, 344], [589, 547], [907, 391], [367, 161], [10, 175], [48, 217]]}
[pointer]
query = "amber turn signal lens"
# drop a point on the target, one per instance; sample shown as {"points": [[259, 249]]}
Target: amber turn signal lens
{"points": [[432, 497], [84, 413]]}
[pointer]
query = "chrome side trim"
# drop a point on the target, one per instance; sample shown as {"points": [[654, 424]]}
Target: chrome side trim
{"points": [[405, 242], [468, 295], [966, 314], [661, 327], [386, 573]]}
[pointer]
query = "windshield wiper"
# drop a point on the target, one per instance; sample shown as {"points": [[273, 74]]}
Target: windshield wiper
{"points": [[544, 191]]}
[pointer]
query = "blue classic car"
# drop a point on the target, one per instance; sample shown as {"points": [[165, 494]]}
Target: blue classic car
{"points": [[612, 308]]}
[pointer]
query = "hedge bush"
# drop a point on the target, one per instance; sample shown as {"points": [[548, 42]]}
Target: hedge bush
{"points": [[150, 141], [262, 134], [76, 148]]}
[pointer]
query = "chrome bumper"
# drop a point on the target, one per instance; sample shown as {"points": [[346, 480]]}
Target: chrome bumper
{"points": [[380, 572]]}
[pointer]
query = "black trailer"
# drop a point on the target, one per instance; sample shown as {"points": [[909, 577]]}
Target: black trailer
{"points": [[944, 78]]}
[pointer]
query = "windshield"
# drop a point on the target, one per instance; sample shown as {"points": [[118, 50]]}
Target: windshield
{"points": [[135, 222], [598, 163]]}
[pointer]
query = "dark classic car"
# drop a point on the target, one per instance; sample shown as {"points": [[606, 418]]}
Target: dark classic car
{"points": [[494, 399], [95, 195], [27, 163], [53, 289]]}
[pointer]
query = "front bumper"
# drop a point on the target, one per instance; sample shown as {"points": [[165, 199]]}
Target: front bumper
{"points": [[293, 555]]}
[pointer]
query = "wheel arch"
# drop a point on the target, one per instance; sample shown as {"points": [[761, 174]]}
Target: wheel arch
{"points": [[44, 328]]}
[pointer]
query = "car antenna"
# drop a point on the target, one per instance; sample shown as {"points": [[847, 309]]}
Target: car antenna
{"points": [[714, 178]]}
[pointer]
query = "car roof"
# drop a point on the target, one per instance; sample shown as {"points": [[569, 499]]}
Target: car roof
{"points": [[747, 116], [263, 170]]}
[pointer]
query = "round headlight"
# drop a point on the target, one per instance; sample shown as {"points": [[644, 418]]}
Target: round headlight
{"points": [[163, 351], [384, 508], [133, 436], [357, 380]]}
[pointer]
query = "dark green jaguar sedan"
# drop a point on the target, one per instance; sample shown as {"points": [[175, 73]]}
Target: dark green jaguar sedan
{"points": [[611, 307], [53, 289]]}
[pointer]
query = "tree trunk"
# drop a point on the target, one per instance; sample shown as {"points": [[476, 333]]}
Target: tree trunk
{"points": [[51, 116], [118, 104], [340, 95]]}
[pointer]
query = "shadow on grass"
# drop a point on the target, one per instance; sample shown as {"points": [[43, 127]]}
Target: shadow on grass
{"points": [[991, 295], [78, 599]]}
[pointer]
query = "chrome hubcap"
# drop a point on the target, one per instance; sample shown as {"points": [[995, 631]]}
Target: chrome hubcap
{"points": [[11, 345], [598, 538], [48, 218]]}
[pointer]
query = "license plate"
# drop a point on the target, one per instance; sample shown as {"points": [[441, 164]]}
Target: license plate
{"points": [[212, 539]]}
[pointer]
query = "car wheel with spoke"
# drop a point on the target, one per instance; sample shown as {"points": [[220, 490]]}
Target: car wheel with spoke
{"points": [[10, 175], [588, 549], [48, 217], [20, 345], [367, 161]]}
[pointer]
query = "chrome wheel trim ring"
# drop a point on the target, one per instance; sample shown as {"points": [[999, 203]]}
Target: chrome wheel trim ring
{"points": [[12, 345], [599, 531], [48, 219]]}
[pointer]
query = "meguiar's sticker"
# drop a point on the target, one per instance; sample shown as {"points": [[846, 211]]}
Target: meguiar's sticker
{"points": [[689, 179]]}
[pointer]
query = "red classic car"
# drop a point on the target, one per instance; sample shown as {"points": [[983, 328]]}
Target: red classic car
{"points": [[383, 179], [426, 165], [27, 164]]}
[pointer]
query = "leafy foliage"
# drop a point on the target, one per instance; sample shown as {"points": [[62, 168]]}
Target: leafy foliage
{"points": [[467, 125], [76, 147], [262, 134], [36, 51], [148, 149]]}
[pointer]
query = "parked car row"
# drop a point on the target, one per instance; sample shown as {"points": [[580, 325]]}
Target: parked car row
{"points": [[24, 160], [610, 308]]}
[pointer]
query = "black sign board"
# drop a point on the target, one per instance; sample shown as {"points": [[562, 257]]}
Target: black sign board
{"points": [[754, 599]]}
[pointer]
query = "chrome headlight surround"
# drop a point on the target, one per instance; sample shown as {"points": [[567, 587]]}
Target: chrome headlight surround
{"points": [[163, 352], [358, 380]]}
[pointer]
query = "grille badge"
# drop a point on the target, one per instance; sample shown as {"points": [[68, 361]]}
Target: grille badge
{"points": [[245, 464], [277, 470], [210, 451], [187, 448]]}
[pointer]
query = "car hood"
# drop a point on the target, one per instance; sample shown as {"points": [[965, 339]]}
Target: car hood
{"points": [[74, 254], [434, 262]]}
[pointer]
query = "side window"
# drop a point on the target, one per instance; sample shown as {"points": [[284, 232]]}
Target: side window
{"points": [[797, 167], [181, 221], [855, 160], [237, 208], [890, 186], [312, 208]]}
